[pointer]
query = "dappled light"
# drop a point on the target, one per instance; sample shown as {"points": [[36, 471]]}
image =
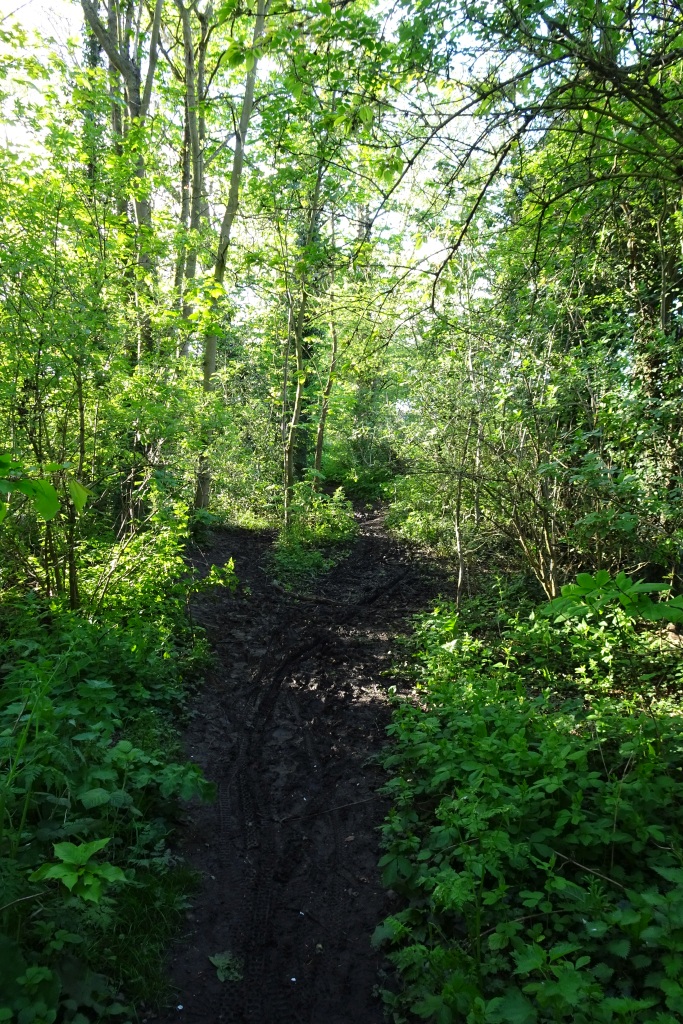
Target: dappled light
{"points": [[341, 512]]}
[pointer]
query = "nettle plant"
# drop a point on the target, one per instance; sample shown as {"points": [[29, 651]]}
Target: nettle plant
{"points": [[89, 758], [536, 836]]}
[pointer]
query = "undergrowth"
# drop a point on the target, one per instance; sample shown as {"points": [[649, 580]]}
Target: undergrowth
{"points": [[536, 835], [90, 778], [321, 527]]}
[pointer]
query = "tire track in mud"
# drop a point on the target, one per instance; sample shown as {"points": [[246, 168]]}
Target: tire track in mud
{"points": [[288, 725]]}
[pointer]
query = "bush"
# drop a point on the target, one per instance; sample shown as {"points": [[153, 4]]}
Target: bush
{"points": [[536, 836], [319, 518], [90, 778], [320, 525]]}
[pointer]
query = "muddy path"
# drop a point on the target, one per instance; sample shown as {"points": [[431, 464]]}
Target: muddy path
{"points": [[288, 726]]}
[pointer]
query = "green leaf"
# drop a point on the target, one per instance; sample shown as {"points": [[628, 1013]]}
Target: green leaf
{"points": [[61, 872], [79, 855], [79, 495], [235, 54], [512, 1008], [96, 797], [563, 949], [674, 994], [90, 888], [596, 929], [45, 499], [433, 1006], [110, 873], [26, 487], [529, 959], [228, 967], [619, 947]]}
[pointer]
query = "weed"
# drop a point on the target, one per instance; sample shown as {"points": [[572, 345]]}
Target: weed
{"points": [[536, 836], [228, 967], [321, 527], [88, 787]]}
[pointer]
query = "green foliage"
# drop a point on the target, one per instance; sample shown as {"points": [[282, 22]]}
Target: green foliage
{"points": [[451, 251], [319, 518], [590, 594], [536, 838], [420, 514], [228, 967], [75, 868], [42, 494], [321, 525], [88, 712]]}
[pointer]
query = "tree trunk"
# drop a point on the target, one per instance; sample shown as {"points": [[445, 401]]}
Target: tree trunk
{"points": [[122, 48], [290, 444], [203, 492], [185, 186], [457, 522], [194, 75], [324, 408]]}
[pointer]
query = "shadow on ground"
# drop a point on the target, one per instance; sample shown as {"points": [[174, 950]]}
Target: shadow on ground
{"points": [[288, 726]]}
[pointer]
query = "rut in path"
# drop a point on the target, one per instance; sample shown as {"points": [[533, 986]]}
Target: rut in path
{"points": [[288, 726]]}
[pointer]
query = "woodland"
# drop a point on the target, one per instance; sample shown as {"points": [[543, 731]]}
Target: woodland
{"points": [[271, 264]]}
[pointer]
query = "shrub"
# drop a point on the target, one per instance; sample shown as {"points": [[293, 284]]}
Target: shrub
{"points": [[90, 778], [536, 836], [320, 525]]}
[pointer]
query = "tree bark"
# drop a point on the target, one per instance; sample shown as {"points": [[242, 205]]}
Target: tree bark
{"points": [[290, 443], [203, 492], [325, 406]]}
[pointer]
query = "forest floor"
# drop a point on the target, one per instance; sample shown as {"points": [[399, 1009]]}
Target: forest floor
{"points": [[289, 725]]}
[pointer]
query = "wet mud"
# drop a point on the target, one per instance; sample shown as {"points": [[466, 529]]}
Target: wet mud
{"points": [[289, 725]]}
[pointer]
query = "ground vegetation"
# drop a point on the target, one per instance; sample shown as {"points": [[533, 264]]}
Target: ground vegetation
{"points": [[283, 268]]}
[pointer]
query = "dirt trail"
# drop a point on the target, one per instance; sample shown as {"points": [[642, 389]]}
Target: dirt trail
{"points": [[288, 726]]}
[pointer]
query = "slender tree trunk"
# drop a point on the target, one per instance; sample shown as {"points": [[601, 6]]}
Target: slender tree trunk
{"points": [[296, 410], [324, 408], [122, 44], [194, 197], [462, 567], [184, 219], [478, 470], [285, 372], [668, 257], [211, 340], [290, 444], [203, 491]]}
